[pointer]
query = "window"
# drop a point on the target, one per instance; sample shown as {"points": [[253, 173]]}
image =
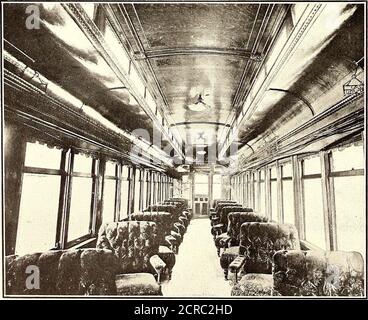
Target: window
{"points": [[154, 188], [37, 216], [144, 189], [158, 188], [313, 202], [240, 189], [186, 187], [109, 192], [137, 189], [217, 193], [262, 193], [255, 192], [81, 197], [164, 185], [248, 191], [288, 193], [348, 182], [149, 189], [201, 184], [350, 158], [40, 156], [274, 197], [124, 192], [350, 213]]}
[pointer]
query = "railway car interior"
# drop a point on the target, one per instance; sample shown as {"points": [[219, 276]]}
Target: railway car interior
{"points": [[184, 149]]}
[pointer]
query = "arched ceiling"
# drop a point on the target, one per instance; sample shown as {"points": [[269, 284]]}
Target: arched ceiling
{"points": [[220, 51], [194, 49]]}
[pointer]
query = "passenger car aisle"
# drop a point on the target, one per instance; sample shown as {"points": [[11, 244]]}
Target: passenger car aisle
{"points": [[197, 271]]}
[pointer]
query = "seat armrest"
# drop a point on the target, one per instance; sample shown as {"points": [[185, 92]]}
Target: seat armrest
{"points": [[237, 263], [225, 241], [218, 227], [179, 227], [159, 266], [172, 242]]}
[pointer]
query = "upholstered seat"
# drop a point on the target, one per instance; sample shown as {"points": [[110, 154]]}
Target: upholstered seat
{"points": [[217, 201], [174, 210], [133, 243], [254, 284], [216, 215], [165, 224], [137, 284], [64, 272], [318, 273], [235, 220], [182, 200], [258, 243], [220, 225]]}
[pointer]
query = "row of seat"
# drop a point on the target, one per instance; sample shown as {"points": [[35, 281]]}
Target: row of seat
{"points": [[131, 258], [271, 261]]}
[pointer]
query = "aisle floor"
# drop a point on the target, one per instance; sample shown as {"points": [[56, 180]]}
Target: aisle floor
{"points": [[197, 271]]}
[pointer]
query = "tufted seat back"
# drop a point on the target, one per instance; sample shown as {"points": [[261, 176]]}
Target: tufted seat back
{"points": [[164, 222], [63, 272], [318, 273], [132, 242], [260, 240], [218, 201], [220, 205], [182, 200], [165, 208], [237, 218], [178, 204], [228, 209]]}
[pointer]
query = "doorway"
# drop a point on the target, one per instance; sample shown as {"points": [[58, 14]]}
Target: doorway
{"points": [[201, 194]]}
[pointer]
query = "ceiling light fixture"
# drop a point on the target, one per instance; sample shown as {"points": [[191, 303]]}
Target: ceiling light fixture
{"points": [[197, 107], [201, 152]]}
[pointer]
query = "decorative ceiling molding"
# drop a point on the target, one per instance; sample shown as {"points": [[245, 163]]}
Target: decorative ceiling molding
{"points": [[292, 43], [168, 52], [246, 82], [198, 122], [58, 108], [96, 38], [318, 128], [145, 68]]}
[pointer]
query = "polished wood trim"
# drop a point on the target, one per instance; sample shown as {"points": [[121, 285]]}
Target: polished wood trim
{"points": [[268, 193], [312, 176], [42, 171], [280, 207], [95, 197], [298, 207], [328, 201], [347, 173], [67, 193]]}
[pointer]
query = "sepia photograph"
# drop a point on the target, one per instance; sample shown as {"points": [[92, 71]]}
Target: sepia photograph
{"points": [[183, 150]]}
